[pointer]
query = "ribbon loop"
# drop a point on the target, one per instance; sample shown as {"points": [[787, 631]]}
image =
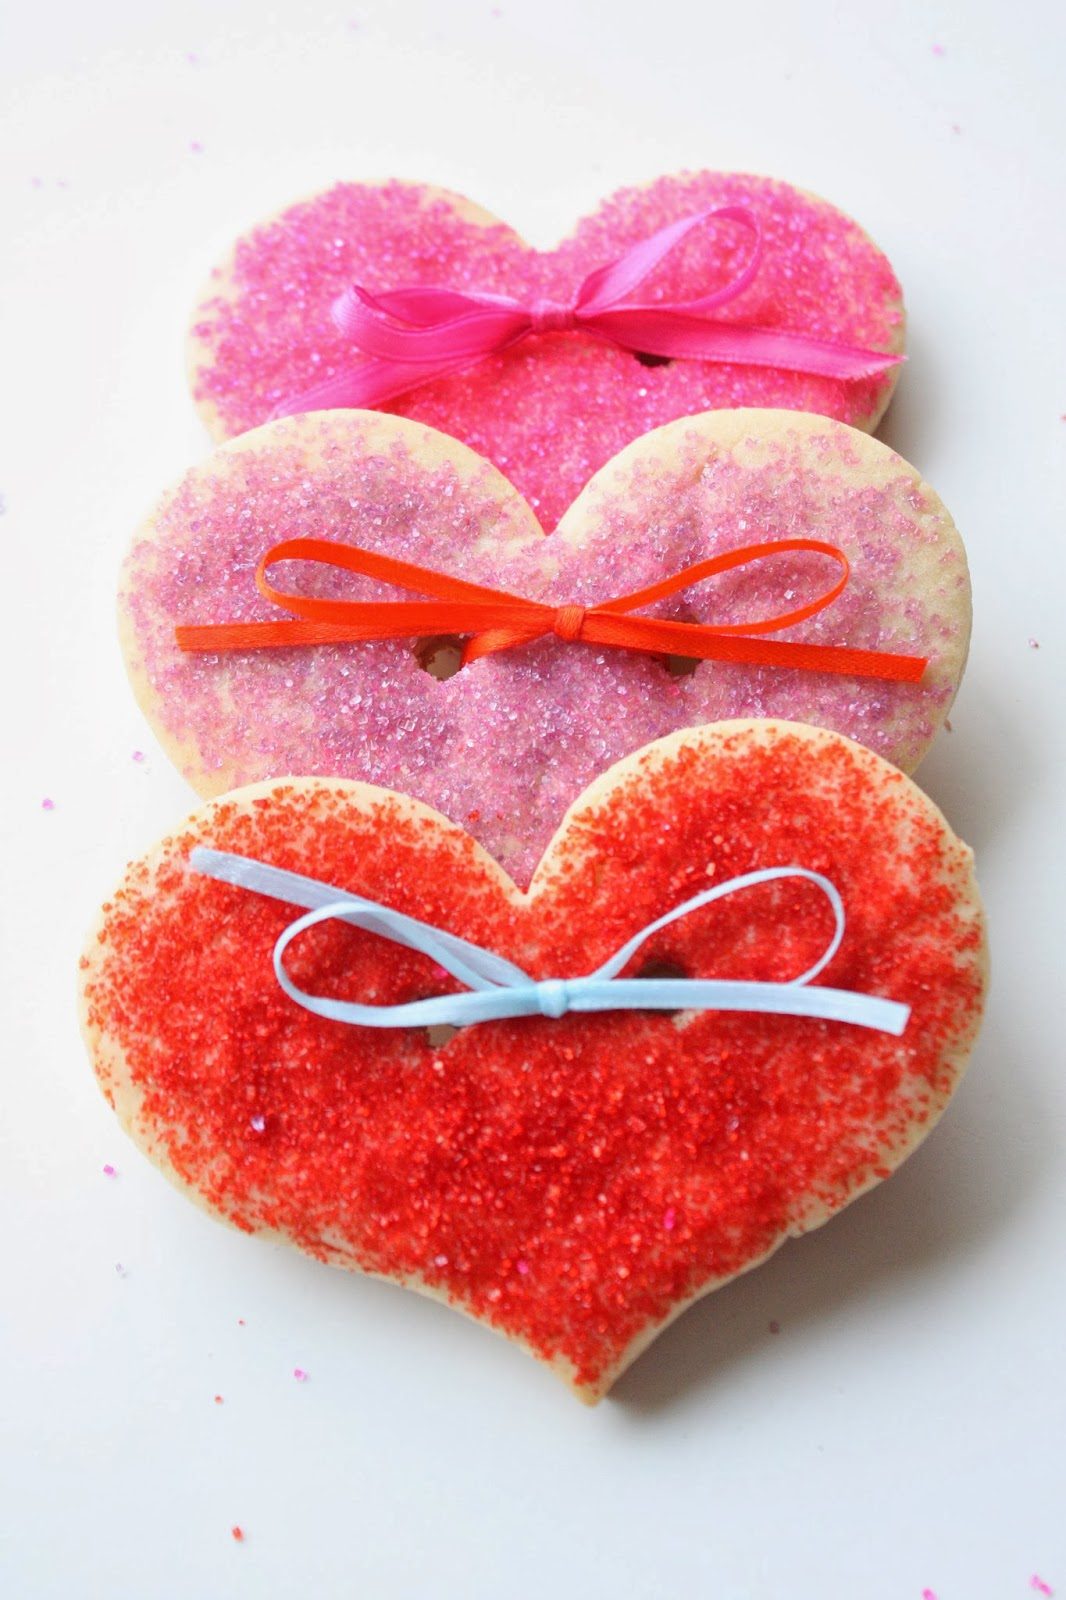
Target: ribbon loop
{"points": [[496, 620], [424, 332], [497, 990]]}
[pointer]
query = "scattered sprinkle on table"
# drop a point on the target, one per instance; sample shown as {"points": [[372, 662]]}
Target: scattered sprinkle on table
{"points": [[300, 1375], [238, 1534], [109, 1171], [1039, 1585], [47, 804]]}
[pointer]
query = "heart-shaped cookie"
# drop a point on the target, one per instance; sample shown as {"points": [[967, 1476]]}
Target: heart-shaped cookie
{"points": [[506, 744], [553, 409], [577, 1182]]}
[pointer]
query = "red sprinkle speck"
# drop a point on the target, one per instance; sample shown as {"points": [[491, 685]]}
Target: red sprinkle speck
{"points": [[218, 1400], [238, 1534]]}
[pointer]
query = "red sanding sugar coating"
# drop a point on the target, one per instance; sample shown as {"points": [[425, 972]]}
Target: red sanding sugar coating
{"points": [[569, 1181], [507, 744], [553, 409]]}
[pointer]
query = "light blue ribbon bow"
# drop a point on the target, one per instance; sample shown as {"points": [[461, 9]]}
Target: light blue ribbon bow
{"points": [[497, 989]]}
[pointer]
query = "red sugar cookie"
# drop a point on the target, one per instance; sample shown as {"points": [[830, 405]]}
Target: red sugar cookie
{"points": [[574, 1183]]}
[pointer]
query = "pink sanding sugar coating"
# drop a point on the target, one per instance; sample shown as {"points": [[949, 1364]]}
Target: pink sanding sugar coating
{"points": [[552, 410], [505, 745]]}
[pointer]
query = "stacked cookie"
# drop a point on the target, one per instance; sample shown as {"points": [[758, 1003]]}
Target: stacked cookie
{"points": [[551, 636]]}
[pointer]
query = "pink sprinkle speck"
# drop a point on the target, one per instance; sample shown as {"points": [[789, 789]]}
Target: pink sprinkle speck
{"points": [[775, 1326], [47, 804], [1034, 644], [1040, 1586], [669, 1217], [192, 57], [219, 1400], [36, 183], [300, 1375], [241, 1322], [120, 1269], [938, 50], [109, 1170], [257, 1124], [138, 755], [195, 147], [928, 1594]]}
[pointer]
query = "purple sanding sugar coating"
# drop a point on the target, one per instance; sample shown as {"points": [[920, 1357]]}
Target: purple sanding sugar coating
{"points": [[553, 410], [505, 745]]}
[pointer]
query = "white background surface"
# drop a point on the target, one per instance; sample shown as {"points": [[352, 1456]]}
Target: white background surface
{"points": [[904, 1429]]}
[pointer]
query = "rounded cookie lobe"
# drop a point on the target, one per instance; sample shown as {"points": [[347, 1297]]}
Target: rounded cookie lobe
{"points": [[553, 409], [573, 1183], [508, 743]]}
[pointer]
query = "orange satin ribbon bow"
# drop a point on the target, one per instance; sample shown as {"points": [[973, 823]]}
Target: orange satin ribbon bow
{"points": [[497, 620]]}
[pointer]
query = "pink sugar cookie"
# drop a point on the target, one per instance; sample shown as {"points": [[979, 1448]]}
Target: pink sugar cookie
{"points": [[505, 745], [553, 409]]}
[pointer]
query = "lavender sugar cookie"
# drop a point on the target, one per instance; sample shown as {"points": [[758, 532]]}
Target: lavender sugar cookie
{"points": [[505, 744]]}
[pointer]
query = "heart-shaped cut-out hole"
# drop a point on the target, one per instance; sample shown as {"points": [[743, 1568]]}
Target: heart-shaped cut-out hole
{"points": [[552, 410], [506, 744], [574, 1183]]}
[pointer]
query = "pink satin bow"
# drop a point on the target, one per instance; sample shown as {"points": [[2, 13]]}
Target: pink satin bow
{"points": [[414, 335]]}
